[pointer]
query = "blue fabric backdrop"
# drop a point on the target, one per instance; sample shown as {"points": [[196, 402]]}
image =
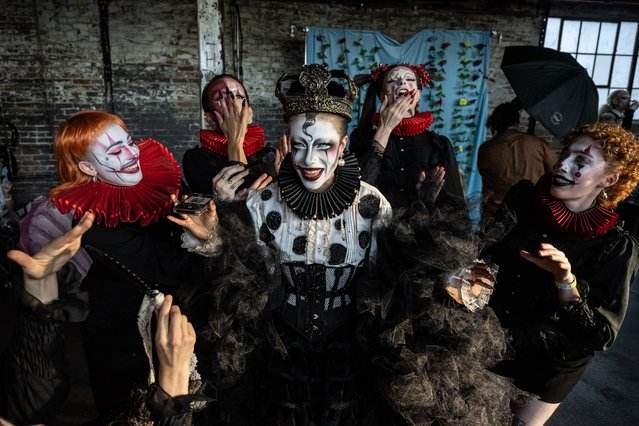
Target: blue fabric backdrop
{"points": [[458, 63]]}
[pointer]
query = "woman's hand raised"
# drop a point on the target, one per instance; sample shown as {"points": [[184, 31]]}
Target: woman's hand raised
{"points": [[174, 343], [201, 226], [39, 270]]}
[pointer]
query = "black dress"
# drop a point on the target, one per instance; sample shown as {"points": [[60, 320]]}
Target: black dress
{"points": [[115, 356], [397, 172], [294, 335], [202, 163], [554, 343]]}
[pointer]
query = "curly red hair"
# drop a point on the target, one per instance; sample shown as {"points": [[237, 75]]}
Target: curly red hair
{"points": [[620, 149], [74, 139]]}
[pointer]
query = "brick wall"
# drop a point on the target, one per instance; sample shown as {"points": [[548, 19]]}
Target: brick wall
{"points": [[52, 65], [51, 60], [268, 50]]}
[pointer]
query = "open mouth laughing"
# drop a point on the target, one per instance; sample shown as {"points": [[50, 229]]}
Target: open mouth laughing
{"points": [[558, 180], [310, 174], [131, 168]]}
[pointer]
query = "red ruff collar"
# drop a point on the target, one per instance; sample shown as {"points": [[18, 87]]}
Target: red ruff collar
{"points": [[145, 202], [410, 126], [587, 224], [216, 141]]}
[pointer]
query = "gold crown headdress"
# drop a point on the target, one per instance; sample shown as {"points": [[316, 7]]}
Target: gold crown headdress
{"points": [[315, 80]]}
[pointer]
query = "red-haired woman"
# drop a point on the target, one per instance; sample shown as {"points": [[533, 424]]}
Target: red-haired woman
{"points": [[397, 152], [566, 267], [127, 187]]}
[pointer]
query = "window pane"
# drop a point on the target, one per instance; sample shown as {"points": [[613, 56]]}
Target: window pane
{"points": [[635, 80], [602, 70], [586, 61], [627, 34], [552, 33], [588, 37], [620, 72], [603, 97], [570, 36], [607, 37]]}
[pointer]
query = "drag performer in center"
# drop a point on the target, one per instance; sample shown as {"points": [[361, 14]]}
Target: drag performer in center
{"points": [[319, 329]]}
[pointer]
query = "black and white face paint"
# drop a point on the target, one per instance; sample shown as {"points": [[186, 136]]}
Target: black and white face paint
{"points": [[316, 147]]}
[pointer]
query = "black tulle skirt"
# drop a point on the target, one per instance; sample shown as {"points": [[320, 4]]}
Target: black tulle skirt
{"points": [[322, 382]]}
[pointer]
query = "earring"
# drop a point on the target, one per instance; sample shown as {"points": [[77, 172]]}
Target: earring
{"points": [[95, 178], [341, 162], [604, 195]]}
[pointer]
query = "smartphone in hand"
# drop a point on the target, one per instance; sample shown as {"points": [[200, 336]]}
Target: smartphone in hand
{"points": [[195, 204]]}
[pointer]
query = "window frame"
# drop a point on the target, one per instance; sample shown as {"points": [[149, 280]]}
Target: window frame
{"points": [[632, 85]]}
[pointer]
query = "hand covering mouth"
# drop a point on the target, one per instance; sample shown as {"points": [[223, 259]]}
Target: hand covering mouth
{"points": [[559, 180], [310, 174]]}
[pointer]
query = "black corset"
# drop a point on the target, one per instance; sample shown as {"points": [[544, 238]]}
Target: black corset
{"points": [[318, 298]]}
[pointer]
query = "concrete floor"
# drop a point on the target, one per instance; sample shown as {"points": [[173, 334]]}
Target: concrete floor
{"points": [[607, 395]]}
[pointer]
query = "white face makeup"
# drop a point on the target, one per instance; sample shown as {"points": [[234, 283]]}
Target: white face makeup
{"points": [[580, 174], [315, 149], [114, 158], [400, 81]]}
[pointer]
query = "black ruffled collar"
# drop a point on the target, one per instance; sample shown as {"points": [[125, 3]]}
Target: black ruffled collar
{"points": [[320, 205]]}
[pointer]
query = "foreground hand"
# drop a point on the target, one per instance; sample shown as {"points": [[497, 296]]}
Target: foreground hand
{"points": [[552, 260], [40, 269], [260, 182], [226, 182], [472, 285], [201, 226], [174, 343], [430, 185]]}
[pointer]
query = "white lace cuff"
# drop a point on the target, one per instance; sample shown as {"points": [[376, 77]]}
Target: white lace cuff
{"points": [[209, 248], [150, 303], [474, 292]]}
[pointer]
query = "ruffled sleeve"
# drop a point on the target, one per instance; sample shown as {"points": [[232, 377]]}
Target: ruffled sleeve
{"points": [[594, 322], [34, 379]]}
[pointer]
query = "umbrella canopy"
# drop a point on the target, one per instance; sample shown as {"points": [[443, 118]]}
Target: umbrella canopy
{"points": [[551, 86]]}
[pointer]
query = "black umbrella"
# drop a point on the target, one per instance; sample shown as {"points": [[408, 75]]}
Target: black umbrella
{"points": [[551, 86]]}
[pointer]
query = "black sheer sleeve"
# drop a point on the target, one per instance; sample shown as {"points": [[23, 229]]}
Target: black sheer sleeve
{"points": [[200, 166], [370, 162], [453, 192], [594, 322], [35, 379]]}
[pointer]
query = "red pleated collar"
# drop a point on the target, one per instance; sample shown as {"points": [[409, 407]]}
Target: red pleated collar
{"points": [[410, 126], [216, 141], [587, 224], [145, 202]]}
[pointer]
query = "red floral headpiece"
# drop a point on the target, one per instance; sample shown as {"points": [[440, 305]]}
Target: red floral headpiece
{"points": [[419, 70]]}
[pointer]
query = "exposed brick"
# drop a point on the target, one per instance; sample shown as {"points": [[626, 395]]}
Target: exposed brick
{"points": [[51, 61]]}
